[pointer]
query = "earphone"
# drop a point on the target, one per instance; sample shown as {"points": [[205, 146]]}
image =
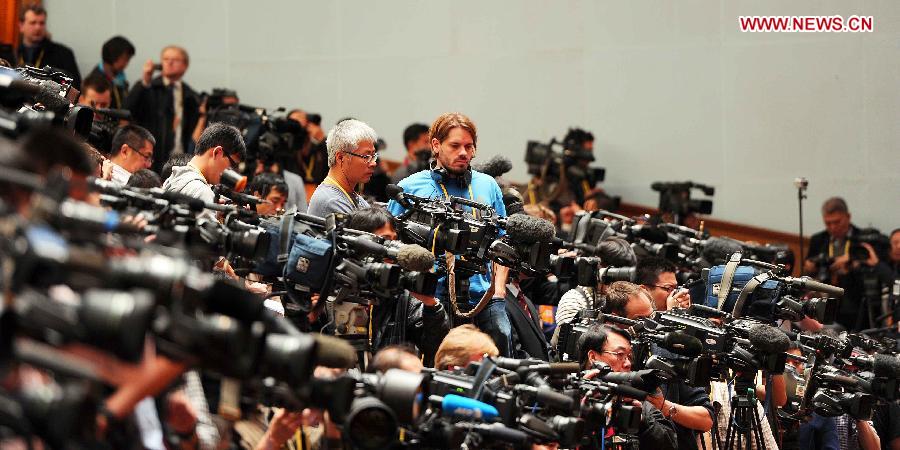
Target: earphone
{"points": [[439, 174]]}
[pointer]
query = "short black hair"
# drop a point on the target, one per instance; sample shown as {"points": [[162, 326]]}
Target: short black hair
{"points": [[412, 132], [114, 48], [265, 182], [594, 338], [650, 267], [226, 136], [616, 252], [97, 82], [132, 135], [178, 160], [370, 219], [144, 178]]}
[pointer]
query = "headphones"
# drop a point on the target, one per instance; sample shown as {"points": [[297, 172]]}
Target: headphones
{"points": [[439, 174]]}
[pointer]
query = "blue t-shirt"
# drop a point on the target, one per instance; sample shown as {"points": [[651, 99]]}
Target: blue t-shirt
{"points": [[484, 189]]}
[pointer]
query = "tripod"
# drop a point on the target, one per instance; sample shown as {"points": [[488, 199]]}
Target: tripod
{"points": [[744, 425]]}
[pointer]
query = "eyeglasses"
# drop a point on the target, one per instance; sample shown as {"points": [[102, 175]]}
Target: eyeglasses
{"points": [[148, 156], [369, 159], [668, 289], [621, 355], [233, 164]]}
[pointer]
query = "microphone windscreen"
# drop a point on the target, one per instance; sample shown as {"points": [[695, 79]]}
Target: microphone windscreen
{"points": [[334, 352], [495, 167], [682, 344], [50, 98], [886, 366], [768, 340], [415, 258], [718, 249], [527, 229], [515, 208], [392, 190], [458, 406], [231, 300]]}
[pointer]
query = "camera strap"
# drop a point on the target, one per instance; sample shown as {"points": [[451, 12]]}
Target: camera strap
{"points": [[589, 298], [451, 288], [728, 278], [747, 290], [284, 249]]}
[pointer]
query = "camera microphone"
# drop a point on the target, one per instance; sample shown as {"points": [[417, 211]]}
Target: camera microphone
{"points": [[415, 258], [718, 249], [886, 366], [682, 344], [768, 340], [652, 234], [528, 229], [813, 285], [495, 167], [334, 352], [395, 193]]}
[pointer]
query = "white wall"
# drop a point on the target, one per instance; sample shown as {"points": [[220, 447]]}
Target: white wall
{"points": [[672, 90]]}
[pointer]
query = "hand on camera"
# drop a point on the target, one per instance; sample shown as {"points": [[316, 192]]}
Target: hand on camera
{"points": [[679, 298]]}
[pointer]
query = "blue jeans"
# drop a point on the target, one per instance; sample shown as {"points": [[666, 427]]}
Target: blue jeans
{"points": [[494, 321]]}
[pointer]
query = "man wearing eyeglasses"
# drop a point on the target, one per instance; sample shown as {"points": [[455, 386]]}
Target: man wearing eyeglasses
{"points": [[689, 408], [351, 160], [657, 276], [132, 150], [220, 147], [610, 346]]}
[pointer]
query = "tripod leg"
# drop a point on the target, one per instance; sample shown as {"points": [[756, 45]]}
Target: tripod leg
{"points": [[757, 429]]}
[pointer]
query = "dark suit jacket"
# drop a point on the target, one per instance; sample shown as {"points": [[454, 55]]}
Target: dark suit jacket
{"points": [[153, 108], [528, 338], [49, 53]]}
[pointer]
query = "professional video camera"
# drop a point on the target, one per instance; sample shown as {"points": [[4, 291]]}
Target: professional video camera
{"points": [[589, 228], [269, 137], [749, 288], [675, 199], [855, 250], [442, 226], [104, 129], [35, 90]]}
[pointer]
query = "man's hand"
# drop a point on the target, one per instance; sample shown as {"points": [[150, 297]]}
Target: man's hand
{"points": [[106, 169], [841, 265], [679, 298], [873, 257], [181, 415], [809, 267], [147, 73], [426, 300], [283, 425]]}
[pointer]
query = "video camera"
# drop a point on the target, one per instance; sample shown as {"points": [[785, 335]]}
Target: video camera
{"points": [[675, 198], [40, 95]]}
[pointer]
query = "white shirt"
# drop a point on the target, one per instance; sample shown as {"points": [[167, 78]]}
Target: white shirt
{"points": [[178, 94], [119, 174]]}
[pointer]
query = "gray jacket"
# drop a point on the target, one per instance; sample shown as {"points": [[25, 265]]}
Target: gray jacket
{"points": [[188, 181]]}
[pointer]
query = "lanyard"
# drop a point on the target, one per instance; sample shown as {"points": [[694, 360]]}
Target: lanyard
{"points": [[309, 167], [831, 247], [585, 187], [331, 181], [37, 62], [471, 197]]}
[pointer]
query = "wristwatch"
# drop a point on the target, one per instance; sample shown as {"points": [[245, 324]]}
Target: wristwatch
{"points": [[673, 411]]}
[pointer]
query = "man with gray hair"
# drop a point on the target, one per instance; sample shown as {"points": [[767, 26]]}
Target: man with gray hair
{"points": [[351, 161]]}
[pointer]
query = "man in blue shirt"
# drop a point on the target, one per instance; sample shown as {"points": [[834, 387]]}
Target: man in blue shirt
{"points": [[453, 139]]}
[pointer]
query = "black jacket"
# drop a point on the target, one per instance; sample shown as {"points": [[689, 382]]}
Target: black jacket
{"points": [[153, 108], [406, 320], [48, 53], [528, 340]]}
